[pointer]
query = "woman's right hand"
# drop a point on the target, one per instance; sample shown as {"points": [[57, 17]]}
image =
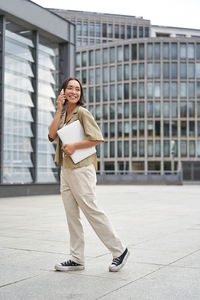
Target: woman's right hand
{"points": [[60, 101]]}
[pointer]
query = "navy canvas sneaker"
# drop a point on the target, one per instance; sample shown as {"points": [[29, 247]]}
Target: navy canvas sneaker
{"points": [[69, 266], [119, 262]]}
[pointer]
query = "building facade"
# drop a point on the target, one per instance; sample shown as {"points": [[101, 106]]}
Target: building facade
{"points": [[37, 53], [142, 84]]}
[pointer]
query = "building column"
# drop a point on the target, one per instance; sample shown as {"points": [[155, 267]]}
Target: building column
{"points": [[66, 64], [2, 71], [34, 110]]}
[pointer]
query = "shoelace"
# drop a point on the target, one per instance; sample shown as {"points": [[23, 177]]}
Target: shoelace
{"points": [[69, 263], [116, 261]]}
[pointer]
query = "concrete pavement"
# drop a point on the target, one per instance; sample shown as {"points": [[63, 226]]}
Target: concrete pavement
{"points": [[160, 225]]}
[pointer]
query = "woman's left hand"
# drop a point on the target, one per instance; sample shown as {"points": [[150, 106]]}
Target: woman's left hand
{"points": [[69, 149]]}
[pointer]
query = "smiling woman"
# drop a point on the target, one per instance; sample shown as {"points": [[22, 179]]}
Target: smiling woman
{"points": [[78, 181]]}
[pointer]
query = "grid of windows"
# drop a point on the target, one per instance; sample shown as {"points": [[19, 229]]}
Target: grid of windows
{"points": [[149, 95]]}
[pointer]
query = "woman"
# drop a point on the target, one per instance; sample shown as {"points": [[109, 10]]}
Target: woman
{"points": [[78, 181]]}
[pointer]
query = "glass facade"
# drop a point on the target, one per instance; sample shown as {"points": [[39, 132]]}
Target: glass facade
{"points": [[156, 95], [17, 147], [29, 66]]}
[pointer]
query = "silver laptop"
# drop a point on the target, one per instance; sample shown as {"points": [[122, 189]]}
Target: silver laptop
{"points": [[74, 133]]}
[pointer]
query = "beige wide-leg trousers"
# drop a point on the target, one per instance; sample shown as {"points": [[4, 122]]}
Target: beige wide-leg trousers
{"points": [[78, 191]]}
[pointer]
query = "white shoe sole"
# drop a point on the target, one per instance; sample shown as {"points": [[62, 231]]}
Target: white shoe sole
{"points": [[116, 269], [70, 268]]}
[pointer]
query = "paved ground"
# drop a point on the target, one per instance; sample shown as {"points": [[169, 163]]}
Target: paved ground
{"points": [[160, 225]]}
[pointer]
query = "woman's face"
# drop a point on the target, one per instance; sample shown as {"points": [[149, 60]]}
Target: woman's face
{"points": [[73, 92]]}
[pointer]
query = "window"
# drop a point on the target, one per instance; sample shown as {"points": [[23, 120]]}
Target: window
{"points": [[126, 72], [126, 129], [183, 148], [191, 90], [110, 30], [174, 90], [134, 31], [192, 148], [191, 69], [112, 149], [112, 54], [183, 128], [183, 50], [117, 31], [112, 73], [126, 148], [126, 52], [91, 76], [141, 109], [105, 56], [105, 111], [84, 59], [191, 128], [119, 149], [141, 89], [150, 89], [97, 54], [134, 71], [157, 109], [190, 51], [134, 90], [112, 92], [174, 51], [141, 31], [157, 70], [128, 32], [104, 30], [157, 51], [126, 91], [119, 110], [122, 32], [149, 51], [119, 72], [119, 129], [183, 72], [166, 89], [141, 70], [174, 70], [134, 148], [165, 51], [166, 109], [174, 110], [150, 148], [134, 109], [157, 90], [183, 109], [134, 128], [119, 53], [183, 89], [126, 110], [149, 70], [85, 28], [97, 75], [105, 74], [91, 28], [166, 149], [119, 91], [174, 128], [150, 129], [134, 51], [141, 128], [98, 30], [166, 70], [166, 128], [112, 111], [141, 51], [150, 109], [112, 130], [105, 92]]}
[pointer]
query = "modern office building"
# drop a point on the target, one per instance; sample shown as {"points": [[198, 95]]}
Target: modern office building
{"points": [[142, 83], [37, 51]]}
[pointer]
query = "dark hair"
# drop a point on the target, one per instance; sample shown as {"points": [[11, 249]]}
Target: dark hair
{"points": [[64, 86]]}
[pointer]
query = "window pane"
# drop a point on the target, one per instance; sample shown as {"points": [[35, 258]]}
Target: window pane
{"points": [[119, 72], [174, 51], [149, 51], [165, 50], [149, 70], [134, 90], [174, 70], [182, 50], [166, 89], [134, 71]]}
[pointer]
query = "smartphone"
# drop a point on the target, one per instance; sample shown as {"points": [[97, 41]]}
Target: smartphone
{"points": [[65, 99]]}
